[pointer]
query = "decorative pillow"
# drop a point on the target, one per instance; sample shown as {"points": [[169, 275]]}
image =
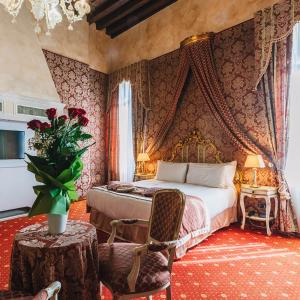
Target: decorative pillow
{"points": [[169, 171], [214, 175]]}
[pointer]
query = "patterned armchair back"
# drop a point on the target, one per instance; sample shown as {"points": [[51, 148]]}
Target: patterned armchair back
{"points": [[166, 215]]}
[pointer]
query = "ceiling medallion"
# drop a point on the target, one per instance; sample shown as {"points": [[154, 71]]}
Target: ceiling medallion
{"points": [[50, 10]]}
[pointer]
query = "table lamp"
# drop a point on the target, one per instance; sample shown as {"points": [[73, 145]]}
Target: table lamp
{"points": [[254, 161], [142, 157]]}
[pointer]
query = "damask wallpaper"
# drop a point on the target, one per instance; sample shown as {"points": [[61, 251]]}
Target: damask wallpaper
{"points": [[233, 49], [234, 57], [80, 86]]}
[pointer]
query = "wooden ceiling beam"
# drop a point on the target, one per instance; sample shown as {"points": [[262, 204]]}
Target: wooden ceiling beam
{"points": [[95, 3], [100, 4], [105, 9], [137, 16], [120, 13]]}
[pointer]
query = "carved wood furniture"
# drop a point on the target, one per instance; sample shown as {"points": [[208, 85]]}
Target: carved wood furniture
{"points": [[205, 149], [263, 192], [49, 293], [139, 270], [199, 149]]}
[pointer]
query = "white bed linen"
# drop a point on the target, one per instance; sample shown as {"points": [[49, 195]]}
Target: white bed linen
{"points": [[117, 206]]}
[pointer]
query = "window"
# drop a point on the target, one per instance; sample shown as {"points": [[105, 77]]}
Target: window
{"points": [[293, 156], [126, 158]]}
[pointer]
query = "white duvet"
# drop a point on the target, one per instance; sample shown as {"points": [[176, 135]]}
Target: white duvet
{"points": [[117, 206]]}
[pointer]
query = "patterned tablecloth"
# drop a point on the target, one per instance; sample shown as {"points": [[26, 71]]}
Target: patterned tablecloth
{"points": [[71, 258]]}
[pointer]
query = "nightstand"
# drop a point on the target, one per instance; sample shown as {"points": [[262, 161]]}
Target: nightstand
{"points": [[143, 176], [263, 192]]}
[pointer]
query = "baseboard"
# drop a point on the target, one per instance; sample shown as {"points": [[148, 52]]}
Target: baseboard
{"points": [[13, 213]]}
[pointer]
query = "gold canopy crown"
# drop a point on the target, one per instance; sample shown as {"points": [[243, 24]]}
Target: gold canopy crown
{"points": [[196, 38]]}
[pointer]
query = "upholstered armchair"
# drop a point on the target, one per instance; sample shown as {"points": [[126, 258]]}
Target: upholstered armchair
{"points": [[49, 292], [131, 270]]}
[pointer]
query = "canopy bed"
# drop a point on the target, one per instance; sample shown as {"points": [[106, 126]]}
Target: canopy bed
{"points": [[209, 206]]}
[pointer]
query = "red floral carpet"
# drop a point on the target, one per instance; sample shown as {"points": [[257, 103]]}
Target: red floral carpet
{"points": [[231, 264]]}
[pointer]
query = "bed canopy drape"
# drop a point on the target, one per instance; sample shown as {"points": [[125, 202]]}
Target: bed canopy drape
{"points": [[196, 56]]}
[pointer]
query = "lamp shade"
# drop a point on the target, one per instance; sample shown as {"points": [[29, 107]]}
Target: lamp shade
{"points": [[143, 157], [254, 161]]}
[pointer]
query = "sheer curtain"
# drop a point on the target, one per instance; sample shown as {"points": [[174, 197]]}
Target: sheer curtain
{"points": [[126, 156], [293, 157]]}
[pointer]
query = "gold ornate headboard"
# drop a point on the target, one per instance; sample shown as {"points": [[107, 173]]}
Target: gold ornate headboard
{"points": [[204, 148]]}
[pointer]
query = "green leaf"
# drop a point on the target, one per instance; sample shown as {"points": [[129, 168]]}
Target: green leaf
{"points": [[40, 189], [70, 185], [42, 205], [42, 176], [73, 195], [65, 175], [60, 205], [85, 136], [80, 152], [59, 190], [40, 163], [54, 192]]}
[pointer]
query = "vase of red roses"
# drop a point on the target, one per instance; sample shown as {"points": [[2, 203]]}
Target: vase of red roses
{"points": [[59, 145]]}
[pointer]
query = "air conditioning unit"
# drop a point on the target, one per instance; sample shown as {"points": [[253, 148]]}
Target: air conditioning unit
{"points": [[17, 108], [31, 111]]}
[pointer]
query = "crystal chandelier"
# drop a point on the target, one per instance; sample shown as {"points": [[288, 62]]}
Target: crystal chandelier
{"points": [[50, 10]]}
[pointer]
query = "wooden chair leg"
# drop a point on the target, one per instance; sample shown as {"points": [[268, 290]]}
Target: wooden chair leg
{"points": [[169, 293]]}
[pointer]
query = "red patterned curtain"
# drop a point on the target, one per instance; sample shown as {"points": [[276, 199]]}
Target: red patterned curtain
{"points": [[112, 139], [274, 27], [138, 75]]}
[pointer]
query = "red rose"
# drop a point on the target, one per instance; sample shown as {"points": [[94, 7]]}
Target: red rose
{"points": [[81, 112], [51, 113], [34, 124], [72, 112], [44, 126], [62, 119], [83, 121]]}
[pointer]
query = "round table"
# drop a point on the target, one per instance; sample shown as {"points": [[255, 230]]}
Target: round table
{"points": [[39, 258]]}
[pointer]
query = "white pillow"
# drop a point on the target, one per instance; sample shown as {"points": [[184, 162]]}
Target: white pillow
{"points": [[169, 171], [214, 175], [230, 170], [206, 176]]}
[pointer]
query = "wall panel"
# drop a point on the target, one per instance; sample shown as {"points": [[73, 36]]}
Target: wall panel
{"points": [[80, 86]]}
